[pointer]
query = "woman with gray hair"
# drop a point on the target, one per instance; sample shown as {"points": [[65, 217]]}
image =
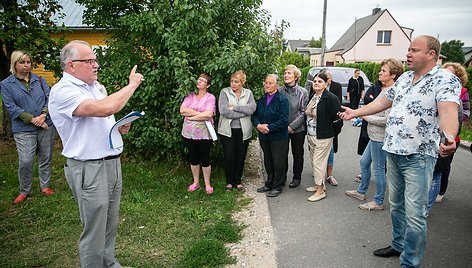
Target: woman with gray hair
{"points": [[271, 121], [297, 100], [25, 96]]}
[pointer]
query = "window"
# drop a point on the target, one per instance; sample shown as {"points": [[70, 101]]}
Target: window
{"points": [[384, 37]]}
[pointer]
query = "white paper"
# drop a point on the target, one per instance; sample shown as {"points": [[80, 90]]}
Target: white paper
{"points": [[211, 129], [115, 135]]}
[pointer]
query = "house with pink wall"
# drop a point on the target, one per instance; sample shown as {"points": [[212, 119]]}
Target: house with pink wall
{"points": [[369, 39]]}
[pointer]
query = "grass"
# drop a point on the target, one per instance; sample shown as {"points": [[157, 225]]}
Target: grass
{"points": [[466, 131], [161, 224]]}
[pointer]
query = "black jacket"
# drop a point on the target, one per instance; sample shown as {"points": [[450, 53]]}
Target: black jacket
{"points": [[355, 87], [326, 114], [337, 90]]}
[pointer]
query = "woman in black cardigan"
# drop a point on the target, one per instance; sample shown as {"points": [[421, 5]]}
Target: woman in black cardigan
{"points": [[321, 114]]}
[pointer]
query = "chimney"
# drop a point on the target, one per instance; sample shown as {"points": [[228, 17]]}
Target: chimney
{"points": [[376, 10]]}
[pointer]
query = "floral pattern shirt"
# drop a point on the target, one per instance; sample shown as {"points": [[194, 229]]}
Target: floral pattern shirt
{"points": [[197, 130], [413, 124]]}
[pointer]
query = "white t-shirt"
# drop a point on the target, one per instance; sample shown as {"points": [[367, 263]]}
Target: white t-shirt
{"points": [[83, 138]]}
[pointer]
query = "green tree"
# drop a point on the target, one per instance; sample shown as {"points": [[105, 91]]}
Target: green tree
{"points": [[172, 42], [453, 51], [315, 42], [27, 25], [294, 58]]}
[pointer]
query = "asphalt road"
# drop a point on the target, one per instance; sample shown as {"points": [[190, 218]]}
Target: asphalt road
{"points": [[334, 232]]}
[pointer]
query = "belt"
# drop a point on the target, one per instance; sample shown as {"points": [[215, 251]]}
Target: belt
{"points": [[110, 157]]}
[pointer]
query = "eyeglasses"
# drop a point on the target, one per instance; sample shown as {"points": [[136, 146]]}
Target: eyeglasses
{"points": [[202, 80], [89, 61]]}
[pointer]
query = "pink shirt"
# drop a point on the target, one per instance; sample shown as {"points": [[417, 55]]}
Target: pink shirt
{"points": [[197, 130]]}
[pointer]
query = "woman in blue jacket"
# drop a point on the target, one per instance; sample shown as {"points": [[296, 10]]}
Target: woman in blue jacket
{"points": [[271, 121], [25, 96]]}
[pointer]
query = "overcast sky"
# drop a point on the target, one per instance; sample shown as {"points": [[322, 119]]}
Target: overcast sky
{"points": [[448, 19]]}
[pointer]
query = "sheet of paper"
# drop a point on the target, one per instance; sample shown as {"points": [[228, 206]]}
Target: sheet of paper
{"points": [[115, 135], [212, 131]]}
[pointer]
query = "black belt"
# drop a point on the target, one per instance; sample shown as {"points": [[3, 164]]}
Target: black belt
{"points": [[110, 157]]}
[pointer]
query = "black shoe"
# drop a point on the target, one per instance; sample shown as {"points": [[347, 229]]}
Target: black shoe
{"points": [[294, 183], [386, 252], [274, 193], [263, 189]]}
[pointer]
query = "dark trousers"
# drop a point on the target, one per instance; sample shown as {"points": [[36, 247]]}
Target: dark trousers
{"points": [[234, 151], [445, 173], [199, 152], [297, 141], [275, 163], [354, 100]]}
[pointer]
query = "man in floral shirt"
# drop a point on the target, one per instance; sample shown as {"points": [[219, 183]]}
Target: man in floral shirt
{"points": [[424, 101]]}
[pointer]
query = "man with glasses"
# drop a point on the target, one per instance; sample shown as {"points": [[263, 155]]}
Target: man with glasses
{"points": [[84, 117], [424, 101]]}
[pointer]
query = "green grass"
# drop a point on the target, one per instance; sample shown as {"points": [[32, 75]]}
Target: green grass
{"points": [[466, 131], [161, 224]]}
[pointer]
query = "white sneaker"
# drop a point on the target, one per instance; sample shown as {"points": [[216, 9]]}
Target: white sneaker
{"points": [[355, 194], [316, 197], [331, 180], [439, 198], [313, 188]]}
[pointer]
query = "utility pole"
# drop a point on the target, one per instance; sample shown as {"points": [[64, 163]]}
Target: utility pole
{"points": [[323, 34]]}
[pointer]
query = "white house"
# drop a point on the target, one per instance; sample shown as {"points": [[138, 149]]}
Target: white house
{"points": [[369, 39]]}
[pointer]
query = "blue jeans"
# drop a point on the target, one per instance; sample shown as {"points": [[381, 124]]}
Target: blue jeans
{"points": [[409, 177], [331, 156], [434, 190], [377, 157]]}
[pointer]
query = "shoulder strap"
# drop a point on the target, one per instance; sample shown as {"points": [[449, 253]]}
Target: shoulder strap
{"points": [[41, 79]]}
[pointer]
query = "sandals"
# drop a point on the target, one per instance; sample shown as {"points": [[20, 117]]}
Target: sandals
{"points": [[240, 187], [193, 187], [209, 189], [229, 188]]}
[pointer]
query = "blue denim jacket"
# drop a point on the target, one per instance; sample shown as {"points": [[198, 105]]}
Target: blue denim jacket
{"points": [[17, 99]]}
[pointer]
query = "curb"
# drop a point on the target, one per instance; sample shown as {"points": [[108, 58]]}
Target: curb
{"points": [[465, 144]]}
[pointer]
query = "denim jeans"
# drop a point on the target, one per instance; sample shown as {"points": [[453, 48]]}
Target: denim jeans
{"points": [[331, 157], [409, 178], [376, 157], [434, 190]]}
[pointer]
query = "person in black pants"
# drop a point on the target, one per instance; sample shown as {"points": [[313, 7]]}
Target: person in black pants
{"points": [[236, 105], [297, 100], [355, 88], [271, 121]]}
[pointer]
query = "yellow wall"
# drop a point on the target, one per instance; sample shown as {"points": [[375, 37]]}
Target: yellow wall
{"points": [[94, 38]]}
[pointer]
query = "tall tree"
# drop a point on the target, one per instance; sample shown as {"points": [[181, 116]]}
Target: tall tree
{"points": [[315, 42], [294, 58], [27, 25], [453, 51], [172, 42]]}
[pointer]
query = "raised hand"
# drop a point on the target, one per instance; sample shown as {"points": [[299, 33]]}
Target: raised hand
{"points": [[134, 77]]}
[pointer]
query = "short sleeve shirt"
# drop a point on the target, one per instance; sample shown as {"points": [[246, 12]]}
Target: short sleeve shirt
{"points": [[197, 130], [413, 124], [83, 138]]}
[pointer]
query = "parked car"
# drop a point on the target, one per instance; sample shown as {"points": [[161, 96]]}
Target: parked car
{"points": [[340, 75]]}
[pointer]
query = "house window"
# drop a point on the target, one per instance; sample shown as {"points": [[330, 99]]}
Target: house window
{"points": [[384, 37]]}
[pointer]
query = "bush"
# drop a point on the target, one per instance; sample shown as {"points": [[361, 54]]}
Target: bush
{"points": [[172, 45], [371, 69]]}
